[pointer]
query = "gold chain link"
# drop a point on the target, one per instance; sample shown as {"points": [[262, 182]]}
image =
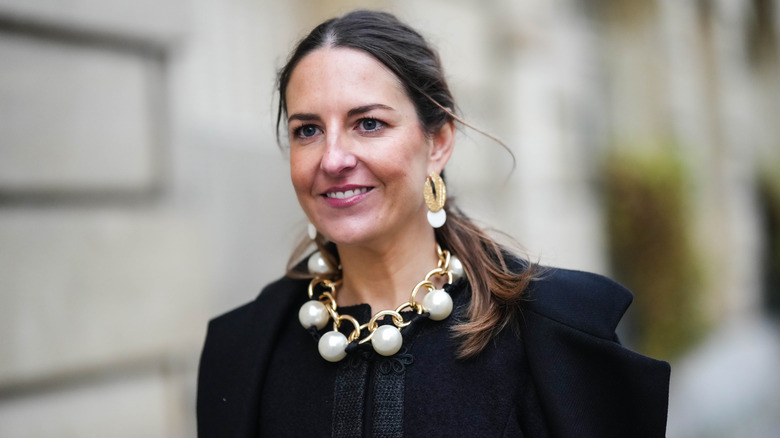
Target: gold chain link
{"points": [[328, 297]]}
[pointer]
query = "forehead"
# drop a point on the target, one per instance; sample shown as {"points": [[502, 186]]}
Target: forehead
{"points": [[332, 76]]}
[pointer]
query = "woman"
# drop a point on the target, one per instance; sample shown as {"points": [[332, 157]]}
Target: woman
{"points": [[408, 319]]}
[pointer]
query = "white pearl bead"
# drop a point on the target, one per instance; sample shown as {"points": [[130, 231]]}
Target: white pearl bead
{"points": [[311, 231], [438, 303], [387, 340], [437, 219], [313, 313], [332, 346], [317, 264], [456, 267]]}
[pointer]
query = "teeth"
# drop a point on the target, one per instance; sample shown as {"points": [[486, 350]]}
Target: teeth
{"points": [[347, 194]]}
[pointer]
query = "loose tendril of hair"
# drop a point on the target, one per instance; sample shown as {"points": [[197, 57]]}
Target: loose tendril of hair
{"points": [[470, 126]]}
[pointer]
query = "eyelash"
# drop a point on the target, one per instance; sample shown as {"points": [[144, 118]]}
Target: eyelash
{"points": [[380, 124], [297, 132]]}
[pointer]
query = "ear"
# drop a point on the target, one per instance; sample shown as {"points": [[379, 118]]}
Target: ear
{"points": [[443, 144]]}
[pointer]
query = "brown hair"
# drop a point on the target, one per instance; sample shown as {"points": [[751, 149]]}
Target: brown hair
{"points": [[497, 279]]}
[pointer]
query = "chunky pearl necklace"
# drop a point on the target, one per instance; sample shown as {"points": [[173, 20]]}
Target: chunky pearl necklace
{"points": [[385, 339]]}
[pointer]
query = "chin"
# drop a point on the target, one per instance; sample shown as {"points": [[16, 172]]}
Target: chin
{"points": [[350, 237], [348, 240]]}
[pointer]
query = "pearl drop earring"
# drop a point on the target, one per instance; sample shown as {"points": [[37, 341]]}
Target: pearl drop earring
{"points": [[435, 195], [312, 231]]}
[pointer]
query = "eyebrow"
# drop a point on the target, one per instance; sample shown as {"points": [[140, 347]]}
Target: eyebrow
{"points": [[304, 117], [308, 117], [366, 108]]}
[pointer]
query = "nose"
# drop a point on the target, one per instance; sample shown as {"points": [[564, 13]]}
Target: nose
{"points": [[337, 157]]}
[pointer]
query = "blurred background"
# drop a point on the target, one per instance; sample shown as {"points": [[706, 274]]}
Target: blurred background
{"points": [[142, 192]]}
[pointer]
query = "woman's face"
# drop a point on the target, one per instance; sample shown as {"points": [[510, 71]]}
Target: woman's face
{"points": [[358, 156]]}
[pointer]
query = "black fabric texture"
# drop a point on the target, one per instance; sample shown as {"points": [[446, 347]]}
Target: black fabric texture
{"points": [[388, 406], [349, 400], [565, 376], [234, 361], [589, 385]]}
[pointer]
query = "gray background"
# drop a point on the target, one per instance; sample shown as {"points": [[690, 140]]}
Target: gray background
{"points": [[141, 191]]}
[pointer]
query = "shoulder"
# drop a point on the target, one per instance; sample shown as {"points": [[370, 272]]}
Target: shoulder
{"points": [[280, 294], [235, 355], [584, 301], [253, 323], [588, 383]]}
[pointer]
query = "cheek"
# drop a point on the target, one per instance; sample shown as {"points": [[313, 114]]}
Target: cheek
{"points": [[406, 177], [301, 173], [417, 160]]}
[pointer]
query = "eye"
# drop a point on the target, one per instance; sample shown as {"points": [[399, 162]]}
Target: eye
{"points": [[306, 131], [370, 125]]}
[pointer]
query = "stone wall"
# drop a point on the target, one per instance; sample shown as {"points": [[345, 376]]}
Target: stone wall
{"points": [[142, 192]]}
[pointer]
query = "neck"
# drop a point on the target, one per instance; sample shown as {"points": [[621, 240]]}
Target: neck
{"points": [[383, 276]]}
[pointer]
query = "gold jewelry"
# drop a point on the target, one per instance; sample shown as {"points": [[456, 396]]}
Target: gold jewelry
{"points": [[385, 339], [435, 200], [435, 195]]}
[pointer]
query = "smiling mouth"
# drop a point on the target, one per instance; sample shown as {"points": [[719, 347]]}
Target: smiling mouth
{"points": [[347, 193]]}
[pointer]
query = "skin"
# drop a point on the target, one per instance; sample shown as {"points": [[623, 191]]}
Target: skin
{"points": [[354, 133]]}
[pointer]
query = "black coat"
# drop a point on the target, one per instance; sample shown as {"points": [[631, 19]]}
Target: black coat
{"points": [[587, 384]]}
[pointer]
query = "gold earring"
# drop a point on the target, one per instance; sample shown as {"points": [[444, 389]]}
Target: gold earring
{"points": [[435, 195]]}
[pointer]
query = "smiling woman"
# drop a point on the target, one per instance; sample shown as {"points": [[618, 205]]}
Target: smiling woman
{"points": [[358, 158], [407, 319]]}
